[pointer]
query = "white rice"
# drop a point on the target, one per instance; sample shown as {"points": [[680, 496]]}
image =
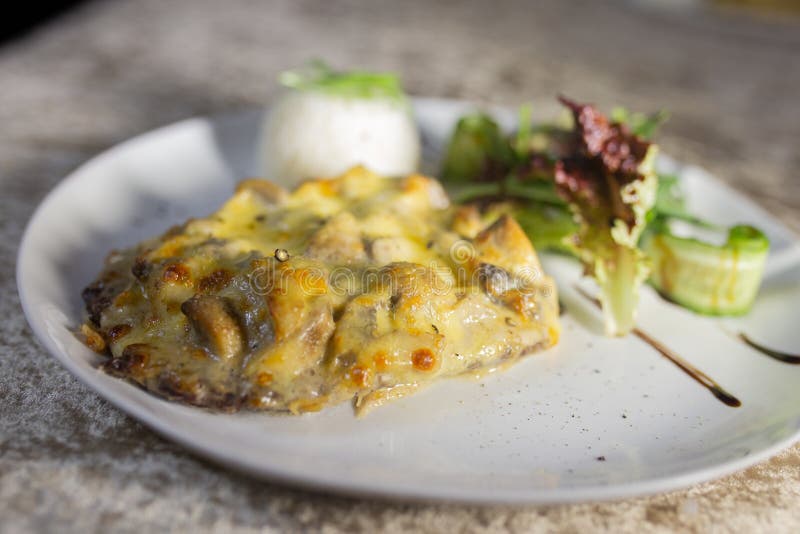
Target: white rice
{"points": [[311, 134]]}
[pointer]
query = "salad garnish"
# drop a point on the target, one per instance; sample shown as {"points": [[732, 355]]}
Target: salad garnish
{"points": [[589, 189]]}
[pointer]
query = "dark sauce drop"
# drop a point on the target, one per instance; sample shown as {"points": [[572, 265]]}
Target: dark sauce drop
{"points": [[784, 357], [696, 374]]}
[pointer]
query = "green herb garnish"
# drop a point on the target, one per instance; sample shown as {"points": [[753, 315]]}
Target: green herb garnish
{"points": [[641, 124], [318, 76]]}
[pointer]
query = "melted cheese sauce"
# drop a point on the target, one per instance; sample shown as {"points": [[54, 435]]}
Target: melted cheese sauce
{"points": [[360, 288]]}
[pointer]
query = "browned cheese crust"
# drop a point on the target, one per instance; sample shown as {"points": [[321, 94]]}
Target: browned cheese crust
{"points": [[360, 288]]}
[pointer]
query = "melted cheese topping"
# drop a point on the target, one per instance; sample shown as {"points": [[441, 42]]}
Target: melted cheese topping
{"points": [[361, 288]]}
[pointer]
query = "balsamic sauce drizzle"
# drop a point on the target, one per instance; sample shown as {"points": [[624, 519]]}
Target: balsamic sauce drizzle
{"points": [[696, 374], [785, 357]]}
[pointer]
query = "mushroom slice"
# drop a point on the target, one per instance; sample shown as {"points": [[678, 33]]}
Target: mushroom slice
{"points": [[213, 319]]}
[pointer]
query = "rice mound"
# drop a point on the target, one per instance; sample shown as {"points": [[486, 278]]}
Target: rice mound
{"points": [[311, 134]]}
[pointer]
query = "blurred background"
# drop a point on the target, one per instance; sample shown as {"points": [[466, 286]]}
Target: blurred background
{"points": [[42, 12], [84, 75]]}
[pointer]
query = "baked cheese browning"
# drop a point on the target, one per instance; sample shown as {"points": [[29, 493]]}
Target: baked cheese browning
{"points": [[361, 287]]}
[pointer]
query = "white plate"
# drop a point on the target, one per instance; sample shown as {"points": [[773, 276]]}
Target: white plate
{"points": [[535, 433]]}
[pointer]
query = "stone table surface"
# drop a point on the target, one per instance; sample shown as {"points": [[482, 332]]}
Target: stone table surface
{"points": [[109, 70]]}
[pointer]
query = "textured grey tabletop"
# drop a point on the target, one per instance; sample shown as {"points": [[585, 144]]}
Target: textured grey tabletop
{"points": [[71, 462]]}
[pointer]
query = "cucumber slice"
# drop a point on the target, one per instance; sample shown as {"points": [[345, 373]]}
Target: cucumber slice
{"points": [[708, 278]]}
